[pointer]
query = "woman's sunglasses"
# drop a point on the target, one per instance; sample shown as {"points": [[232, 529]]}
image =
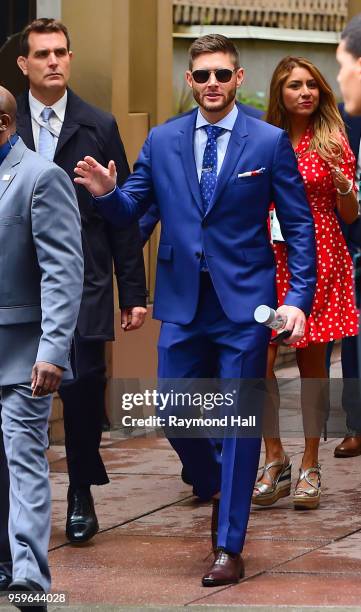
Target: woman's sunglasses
{"points": [[223, 75]]}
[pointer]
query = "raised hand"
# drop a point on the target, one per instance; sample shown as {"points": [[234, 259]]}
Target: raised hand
{"points": [[97, 179]]}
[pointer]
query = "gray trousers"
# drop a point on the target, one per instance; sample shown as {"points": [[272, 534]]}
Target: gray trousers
{"points": [[24, 429]]}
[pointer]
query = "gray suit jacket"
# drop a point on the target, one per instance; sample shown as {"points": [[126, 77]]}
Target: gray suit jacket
{"points": [[41, 264]]}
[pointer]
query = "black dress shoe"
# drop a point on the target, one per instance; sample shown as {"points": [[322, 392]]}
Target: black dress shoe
{"points": [[27, 586], [4, 583], [214, 524], [81, 523], [227, 568], [185, 477]]}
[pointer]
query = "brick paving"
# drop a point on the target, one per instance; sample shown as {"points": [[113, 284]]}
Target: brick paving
{"points": [[153, 545]]}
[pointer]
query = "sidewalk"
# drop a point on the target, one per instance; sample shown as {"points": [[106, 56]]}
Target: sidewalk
{"points": [[154, 543]]}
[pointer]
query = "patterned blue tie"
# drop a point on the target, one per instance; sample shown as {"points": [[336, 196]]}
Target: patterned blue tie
{"points": [[46, 139], [209, 167]]}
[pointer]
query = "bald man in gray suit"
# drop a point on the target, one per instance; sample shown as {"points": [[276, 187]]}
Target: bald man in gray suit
{"points": [[41, 281]]}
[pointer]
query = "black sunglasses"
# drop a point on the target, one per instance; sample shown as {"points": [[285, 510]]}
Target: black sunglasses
{"points": [[223, 75]]}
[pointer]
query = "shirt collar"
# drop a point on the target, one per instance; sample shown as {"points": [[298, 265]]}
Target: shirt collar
{"points": [[7, 146], [4, 149], [227, 123], [36, 107]]}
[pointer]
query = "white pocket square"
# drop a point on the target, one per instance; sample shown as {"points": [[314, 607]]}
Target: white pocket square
{"points": [[251, 173]]}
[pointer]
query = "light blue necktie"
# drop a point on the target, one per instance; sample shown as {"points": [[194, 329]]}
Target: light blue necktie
{"points": [[46, 138]]}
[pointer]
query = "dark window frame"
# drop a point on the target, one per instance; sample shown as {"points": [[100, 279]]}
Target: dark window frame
{"points": [[15, 14]]}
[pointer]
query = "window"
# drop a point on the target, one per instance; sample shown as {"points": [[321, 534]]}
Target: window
{"points": [[14, 15]]}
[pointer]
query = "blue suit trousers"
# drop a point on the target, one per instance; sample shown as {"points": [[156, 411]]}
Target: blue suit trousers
{"points": [[213, 346]]}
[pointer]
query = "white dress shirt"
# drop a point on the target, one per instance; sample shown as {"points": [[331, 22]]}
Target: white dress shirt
{"points": [[200, 138], [55, 122]]}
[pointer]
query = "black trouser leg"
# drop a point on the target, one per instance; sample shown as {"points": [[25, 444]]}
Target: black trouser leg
{"points": [[84, 407], [351, 394]]}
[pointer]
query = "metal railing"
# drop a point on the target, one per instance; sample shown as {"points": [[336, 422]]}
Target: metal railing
{"points": [[321, 15]]}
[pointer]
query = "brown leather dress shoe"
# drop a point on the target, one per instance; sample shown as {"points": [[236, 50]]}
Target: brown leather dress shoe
{"points": [[349, 447], [214, 524], [227, 568]]}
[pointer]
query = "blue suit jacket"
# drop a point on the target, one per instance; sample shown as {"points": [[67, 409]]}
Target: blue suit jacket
{"points": [[352, 232], [353, 128], [150, 219], [233, 234]]}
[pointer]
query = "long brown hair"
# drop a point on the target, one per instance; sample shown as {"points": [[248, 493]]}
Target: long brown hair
{"points": [[327, 122]]}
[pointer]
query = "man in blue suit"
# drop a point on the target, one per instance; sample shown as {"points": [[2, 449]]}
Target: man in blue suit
{"points": [[213, 174]]}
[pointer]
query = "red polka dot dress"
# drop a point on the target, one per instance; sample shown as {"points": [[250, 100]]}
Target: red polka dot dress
{"points": [[333, 315]]}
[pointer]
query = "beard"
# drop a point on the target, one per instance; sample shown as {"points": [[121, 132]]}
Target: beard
{"points": [[216, 107]]}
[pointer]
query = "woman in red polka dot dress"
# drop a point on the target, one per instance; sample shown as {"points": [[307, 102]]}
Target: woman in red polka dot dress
{"points": [[302, 102]]}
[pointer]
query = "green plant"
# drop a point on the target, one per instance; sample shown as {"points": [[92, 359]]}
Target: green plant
{"points": [[183, 100], [257, 100]]}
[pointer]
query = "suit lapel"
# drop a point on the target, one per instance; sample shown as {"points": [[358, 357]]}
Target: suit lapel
{"points": [[8, 168], [186, 141], [236, 144], [6, 176], [72, 121], [69, 128], [76, 115]]}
